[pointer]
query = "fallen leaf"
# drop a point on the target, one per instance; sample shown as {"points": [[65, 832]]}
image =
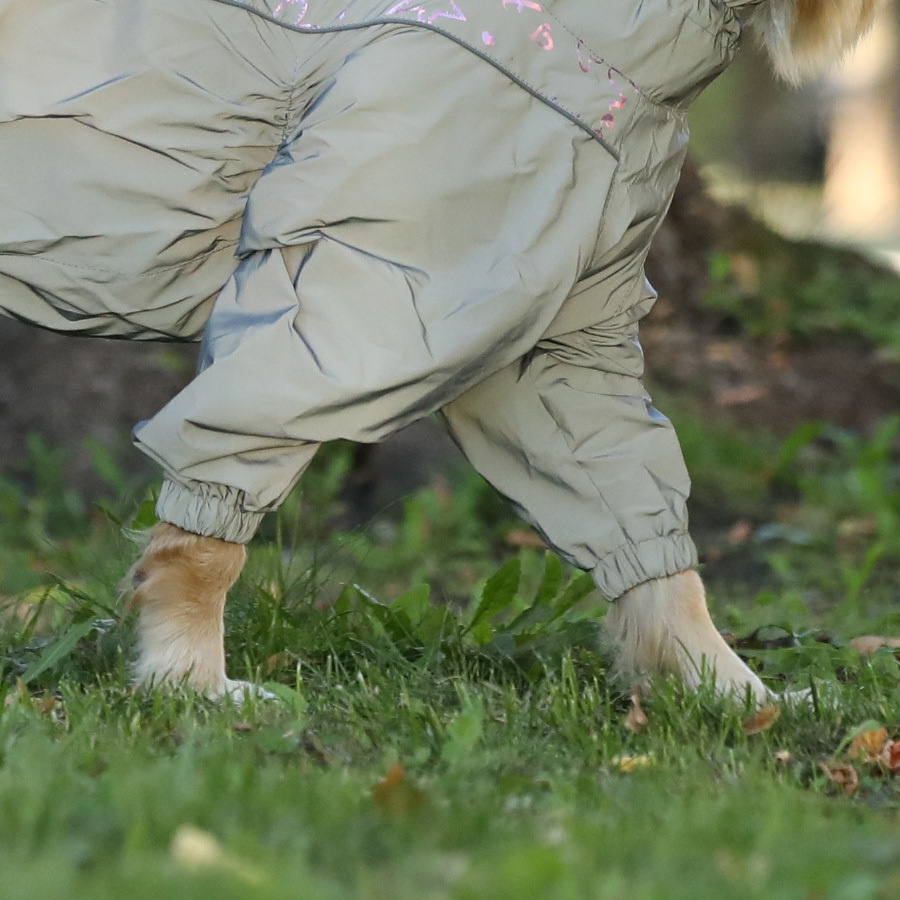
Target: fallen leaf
{"points": [[738, 396], [629, 764], [740, 532], [745, 271], [783, 757], [525, 537], [867, 644], [50, 705], [890, 756], [395, 795], [241, 727], [636, 720], [854, 528], [312, 746], [442, 492], [845, 776], [868, 745], [762, 721], [277, 661], [196, 849]]}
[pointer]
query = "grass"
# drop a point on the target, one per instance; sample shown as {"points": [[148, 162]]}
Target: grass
{"points": [[446, 727]]}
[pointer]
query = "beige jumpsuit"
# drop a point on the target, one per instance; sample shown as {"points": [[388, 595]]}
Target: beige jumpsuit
{"points": [[371, 210]]}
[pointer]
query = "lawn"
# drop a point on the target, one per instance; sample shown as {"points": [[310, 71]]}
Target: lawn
{"points": [[446, 725]]}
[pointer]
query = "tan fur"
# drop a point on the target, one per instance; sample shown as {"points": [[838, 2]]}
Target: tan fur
{"points": [[804, 37], [663, 627], [179, 587]]}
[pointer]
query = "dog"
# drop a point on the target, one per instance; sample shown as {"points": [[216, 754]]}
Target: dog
{"points": [[659, 622]]}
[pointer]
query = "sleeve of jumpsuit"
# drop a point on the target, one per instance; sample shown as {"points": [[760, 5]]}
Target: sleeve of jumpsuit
{"points": [[406, 244]]}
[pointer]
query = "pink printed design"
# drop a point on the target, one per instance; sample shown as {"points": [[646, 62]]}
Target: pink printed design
{"points": [[291, 11], [543, 37], [521, 5], [450, 11], [294, 12], [586, 62]]}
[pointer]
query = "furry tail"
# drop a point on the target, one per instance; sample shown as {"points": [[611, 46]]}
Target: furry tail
{"points": [[804, 37]]}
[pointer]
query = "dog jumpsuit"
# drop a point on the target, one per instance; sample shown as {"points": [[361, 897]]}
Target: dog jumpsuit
{"points": [[371, 211]]}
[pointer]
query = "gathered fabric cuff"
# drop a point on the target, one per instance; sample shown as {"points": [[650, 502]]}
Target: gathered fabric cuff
{"points": [[633, 564], [213, 510]]}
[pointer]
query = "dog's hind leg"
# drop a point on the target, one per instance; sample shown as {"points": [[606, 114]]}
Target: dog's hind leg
{"points": [[179, 586], [663, 626]]}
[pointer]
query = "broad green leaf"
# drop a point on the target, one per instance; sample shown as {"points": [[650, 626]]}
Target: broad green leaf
{"points": [[58, 650], [551, 581], [415, 603], [537, 614], [578, 588], [397, 626], [464, 732], [498, 592]]}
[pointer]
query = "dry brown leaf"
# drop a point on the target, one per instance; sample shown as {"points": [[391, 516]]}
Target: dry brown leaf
{"points": [[636, 720], [738, 396], [890, 756], [740, 532], [241, 727], [867, 644], [525, 537], [762, 721], [48, 704], [745, 270], [277, 661], [395, 795], [868, 745], [856, 528], [845, 776], [442, 492]]}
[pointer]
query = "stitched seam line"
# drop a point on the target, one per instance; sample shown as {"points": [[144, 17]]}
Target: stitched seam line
{"points": [[290, 114]]}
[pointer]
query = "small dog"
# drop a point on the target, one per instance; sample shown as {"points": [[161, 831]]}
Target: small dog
{"points": [[660, 625]]}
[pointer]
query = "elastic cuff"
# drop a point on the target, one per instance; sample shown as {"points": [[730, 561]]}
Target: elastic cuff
{"points": [[213, 510], [633, 564]]}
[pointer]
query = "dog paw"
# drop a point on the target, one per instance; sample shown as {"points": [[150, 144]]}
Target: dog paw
{"points": [[795, 698], [240, 692]]}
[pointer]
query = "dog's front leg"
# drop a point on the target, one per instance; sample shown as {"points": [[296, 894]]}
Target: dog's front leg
{"points": [[663, 627], [179, 586]]}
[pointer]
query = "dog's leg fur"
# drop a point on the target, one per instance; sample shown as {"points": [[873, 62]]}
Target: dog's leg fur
{"points": [[804, 37], [663, 627], [179, 586]]}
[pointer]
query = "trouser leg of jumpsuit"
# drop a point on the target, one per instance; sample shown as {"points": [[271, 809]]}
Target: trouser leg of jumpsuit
{"points": [[400, 257], [586, 459]]}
